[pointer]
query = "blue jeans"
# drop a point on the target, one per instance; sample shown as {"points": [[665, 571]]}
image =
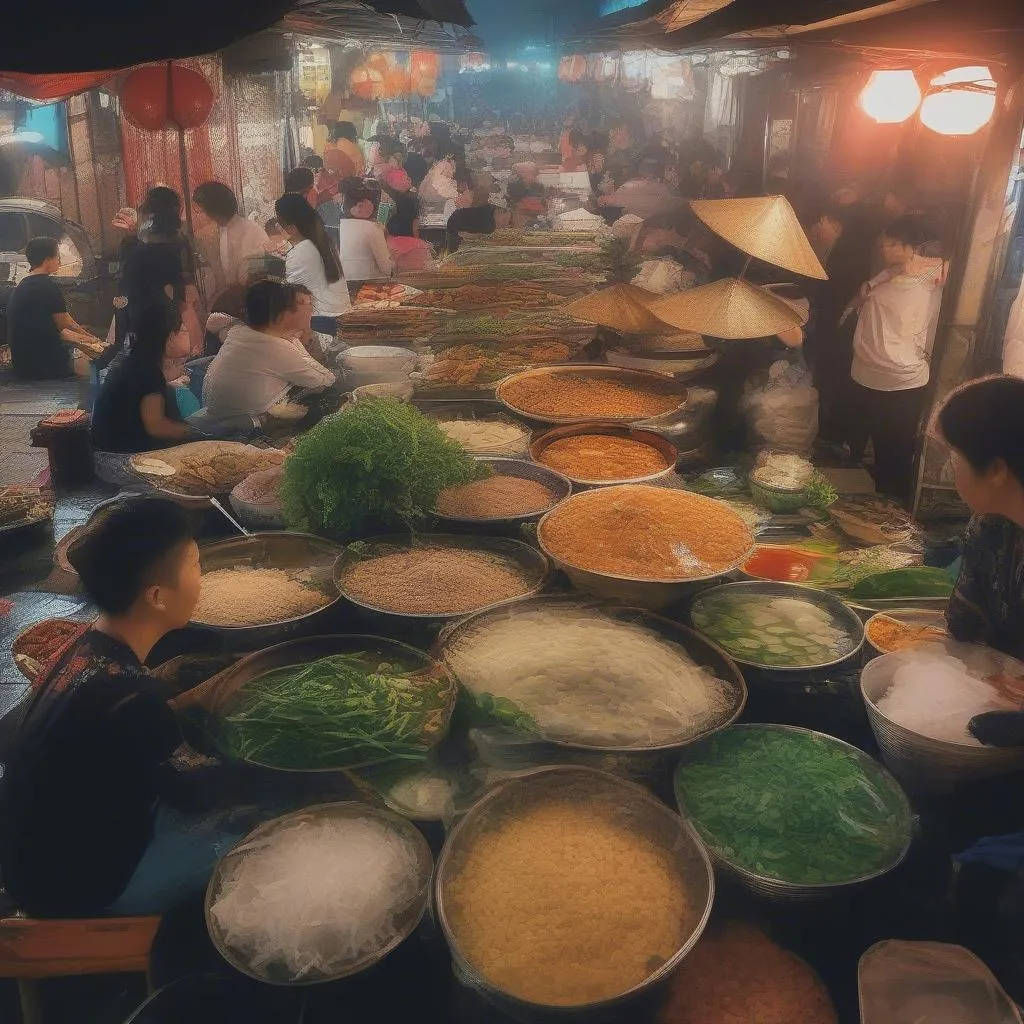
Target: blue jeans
{"points": [[325, 325], [178, 862]]}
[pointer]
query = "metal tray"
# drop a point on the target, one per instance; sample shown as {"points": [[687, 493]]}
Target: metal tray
{"points": [[597, 371], [559, 485], [664, 448]]}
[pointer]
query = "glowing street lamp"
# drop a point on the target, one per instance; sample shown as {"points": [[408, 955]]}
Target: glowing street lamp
{"points": [[960, 102], [890, 97]]}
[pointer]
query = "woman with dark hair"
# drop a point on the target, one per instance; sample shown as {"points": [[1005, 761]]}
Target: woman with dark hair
{"points": [[313, 261], [983, 424], [136, 410], [162, 265], [342, 155], [241, 240]]}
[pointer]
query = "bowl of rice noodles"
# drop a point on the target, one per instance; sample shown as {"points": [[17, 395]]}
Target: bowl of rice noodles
{"points": [[267, 587], [919, 702], [582, 677], [340, 886], [571, 893]]}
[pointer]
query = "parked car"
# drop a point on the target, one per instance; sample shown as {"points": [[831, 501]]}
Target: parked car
{"points": [[85, 279]]}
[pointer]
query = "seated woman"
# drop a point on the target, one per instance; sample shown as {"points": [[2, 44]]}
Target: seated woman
{"points": [[364, 248], [983, 424], [262, 360], [98, 764], [408, 251], [313, 261], [135, 410]]}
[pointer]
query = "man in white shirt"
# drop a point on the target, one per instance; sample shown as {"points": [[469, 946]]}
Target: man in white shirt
{"points": [[264, 358], [241, 240], [364, 251], [892, 348]]}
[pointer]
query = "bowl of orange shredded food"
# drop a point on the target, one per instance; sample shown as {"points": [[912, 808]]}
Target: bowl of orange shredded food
{"points": [[577, 393], [901, 629], [600, 454], [570, 890], [644, 544]]}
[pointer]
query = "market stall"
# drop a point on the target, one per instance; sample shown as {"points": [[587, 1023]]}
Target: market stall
{"points": [[602, 711]]}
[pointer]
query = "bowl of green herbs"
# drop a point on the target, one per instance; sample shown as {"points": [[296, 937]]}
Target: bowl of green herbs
{"points": [[331, 703], [792, 814]]}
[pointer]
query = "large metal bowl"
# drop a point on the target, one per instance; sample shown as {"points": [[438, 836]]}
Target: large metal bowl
{"points": [[596, 371], [769, 589], [559, 486], [532, 563], [218, 697], [664, 448], [781, 891], [403, 925], [929, 765], [645, 592], [639, 809], [702, 650], [298, 552]]}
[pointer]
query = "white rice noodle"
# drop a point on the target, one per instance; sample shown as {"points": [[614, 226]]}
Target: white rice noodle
{"points": [[586, 677]]}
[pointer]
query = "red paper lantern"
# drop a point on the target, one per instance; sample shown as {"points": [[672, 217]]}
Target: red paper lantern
{"points": [[396, 83], [367, 83], [159, 96]]}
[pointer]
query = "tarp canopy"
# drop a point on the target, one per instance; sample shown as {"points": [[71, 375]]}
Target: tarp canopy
{"points": [[65, 36]]}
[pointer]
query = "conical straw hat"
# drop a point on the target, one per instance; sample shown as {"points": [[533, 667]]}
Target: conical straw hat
{"points": [[622, 307], [766, 228], [729, 308]]}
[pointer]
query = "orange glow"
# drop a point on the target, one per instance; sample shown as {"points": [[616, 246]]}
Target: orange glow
{"points": [[890, 97]]}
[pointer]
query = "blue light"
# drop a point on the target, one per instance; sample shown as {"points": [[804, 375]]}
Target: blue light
{"points": [[614, 6]]}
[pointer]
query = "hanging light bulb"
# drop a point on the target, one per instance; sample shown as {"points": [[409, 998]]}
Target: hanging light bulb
{"points": [[890, 96], [960, 102]]}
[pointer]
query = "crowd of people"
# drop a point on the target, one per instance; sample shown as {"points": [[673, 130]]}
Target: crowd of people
{"points": [[365, 212]]}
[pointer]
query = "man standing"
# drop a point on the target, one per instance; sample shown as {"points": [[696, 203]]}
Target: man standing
{"points": [[40, 330]]}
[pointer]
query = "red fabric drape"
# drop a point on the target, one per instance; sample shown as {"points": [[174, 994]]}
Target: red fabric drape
{"points": [[50, 88]]}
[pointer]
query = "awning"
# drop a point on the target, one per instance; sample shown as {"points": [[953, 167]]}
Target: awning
{"points": [[68, 36], [50, 88]]}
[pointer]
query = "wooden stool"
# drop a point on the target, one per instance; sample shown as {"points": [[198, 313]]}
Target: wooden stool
{"points": [[31, 950]]}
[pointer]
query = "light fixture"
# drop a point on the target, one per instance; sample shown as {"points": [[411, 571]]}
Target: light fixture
{"points": [[890, 97], [960, 102]]}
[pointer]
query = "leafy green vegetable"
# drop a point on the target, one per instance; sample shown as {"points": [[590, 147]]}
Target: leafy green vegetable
{"points": [[380, 461], [820, 493], [792, 806], [915, 581], [336, 713]]}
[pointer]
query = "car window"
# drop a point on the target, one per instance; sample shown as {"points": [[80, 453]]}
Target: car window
{"points": [[41, 226], [13, 236]]}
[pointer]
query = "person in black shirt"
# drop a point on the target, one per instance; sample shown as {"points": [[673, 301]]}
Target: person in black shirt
{"points": [[100, 799], [161, 265], [136, 411], [40, 330]]}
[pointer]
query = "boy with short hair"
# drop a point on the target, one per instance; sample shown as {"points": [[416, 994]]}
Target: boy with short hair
{"points": [[96, 790], [40, 331]]}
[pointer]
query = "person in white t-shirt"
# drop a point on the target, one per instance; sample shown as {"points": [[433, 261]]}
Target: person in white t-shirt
{"points": [[262, 359], [892, 346], [365, 255], [313, 261], [241, 240]]}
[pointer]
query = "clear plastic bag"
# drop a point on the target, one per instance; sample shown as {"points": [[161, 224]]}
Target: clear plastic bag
{"points": [[920, 982], [782, 413]]}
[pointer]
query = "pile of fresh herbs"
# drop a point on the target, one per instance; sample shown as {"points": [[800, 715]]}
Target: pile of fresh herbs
{"points": [[380, 462], [336, 713], [792, 806]]}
